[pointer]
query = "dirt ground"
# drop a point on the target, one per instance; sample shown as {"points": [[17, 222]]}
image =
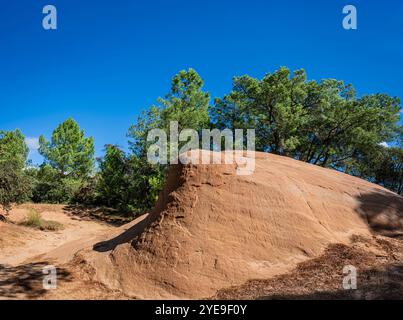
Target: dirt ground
{"points": [[23, 250], [19, 243]]}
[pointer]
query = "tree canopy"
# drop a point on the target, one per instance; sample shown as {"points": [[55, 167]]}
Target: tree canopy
{"points": [[185, 103], [321, 122], [14, 183], [69, 151], [13, 147]]}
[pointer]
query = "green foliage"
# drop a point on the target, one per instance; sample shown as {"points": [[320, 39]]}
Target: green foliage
{"points": [[87, 192], [186, 103], [142, 182], [113, 170], [322, 123], [69, 164], [13, 147], [69, 152], [147, 120], [156, 183], [145, 181], [384, 166], [273, 106], [389, 169], [15, 185], [127, 183], [49, 187]]}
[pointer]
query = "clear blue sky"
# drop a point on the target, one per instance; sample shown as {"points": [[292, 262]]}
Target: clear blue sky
{"points": [[108, 60]]}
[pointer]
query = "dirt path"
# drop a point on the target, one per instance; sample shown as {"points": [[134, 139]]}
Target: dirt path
{"points": [[20, 244], [24, 252]]}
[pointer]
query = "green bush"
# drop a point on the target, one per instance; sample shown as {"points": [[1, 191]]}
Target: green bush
{"points": [[50, 187], [68, 166], [128, 183], [15, 185], [87, 193]]}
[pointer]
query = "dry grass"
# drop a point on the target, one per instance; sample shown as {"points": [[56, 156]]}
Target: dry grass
{"points": [[35, 220]]}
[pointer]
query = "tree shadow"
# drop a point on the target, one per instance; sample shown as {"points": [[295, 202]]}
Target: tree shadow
{"points": [[127, 236], [99, 214], [26, 281], [378, 264], [373, 284], [383, 211]]}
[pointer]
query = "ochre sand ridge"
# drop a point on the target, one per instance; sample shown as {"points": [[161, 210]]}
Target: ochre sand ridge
{"points": [[212, 229]]}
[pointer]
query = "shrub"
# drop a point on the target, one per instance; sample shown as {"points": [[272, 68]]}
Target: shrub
{"points": [[49, 225], [50, 187], [128, 183], [15, 186], [34, 220], [87, 193]]}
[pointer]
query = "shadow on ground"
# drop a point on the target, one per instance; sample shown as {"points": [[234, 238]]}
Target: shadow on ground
{"points": [[378, 262], [383, 211], [26, 281], [100, 214], [127, 236], [373, 284]]}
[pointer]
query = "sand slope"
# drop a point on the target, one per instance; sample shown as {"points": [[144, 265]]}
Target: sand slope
{"points": [[212, 229]]}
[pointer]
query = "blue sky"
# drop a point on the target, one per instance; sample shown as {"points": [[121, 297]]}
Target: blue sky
{"points": [[108, 60]]}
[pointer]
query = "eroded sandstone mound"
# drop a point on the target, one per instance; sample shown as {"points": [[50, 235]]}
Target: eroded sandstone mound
{"points": [[212, 228]]}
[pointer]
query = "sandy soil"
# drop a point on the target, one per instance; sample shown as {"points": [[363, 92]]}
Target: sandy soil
{"points": [[19, 244], [24, 252], [284, 232]]}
